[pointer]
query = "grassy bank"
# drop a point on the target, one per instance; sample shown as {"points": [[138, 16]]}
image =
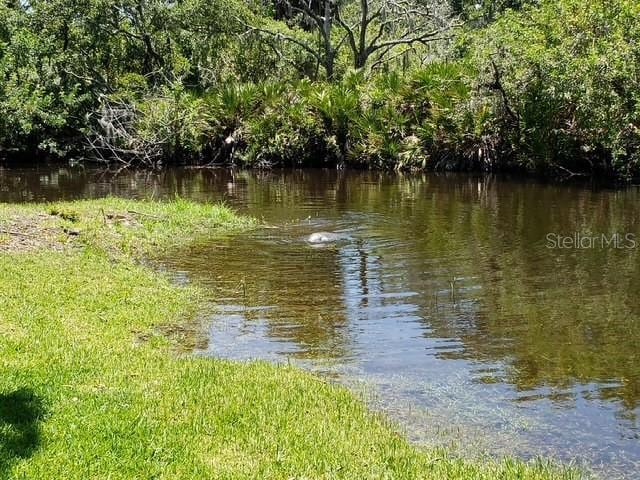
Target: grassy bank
{"points": [[90, 387]]}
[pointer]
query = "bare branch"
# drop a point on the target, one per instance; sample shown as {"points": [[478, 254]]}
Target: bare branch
{"points": [[350, 35], [396, 23], [382, 59], [117, 139], [281, 36], [406, 39]]}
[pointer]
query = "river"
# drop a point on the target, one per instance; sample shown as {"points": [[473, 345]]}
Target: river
{"points": [[492, 315]]}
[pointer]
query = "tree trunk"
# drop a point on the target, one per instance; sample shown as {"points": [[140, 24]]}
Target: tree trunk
{"points": [[329, 62], [362, 55], [360, 59], [329, 54]]}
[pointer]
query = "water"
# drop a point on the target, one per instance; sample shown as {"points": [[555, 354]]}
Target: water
{"points": [[442, 306]]}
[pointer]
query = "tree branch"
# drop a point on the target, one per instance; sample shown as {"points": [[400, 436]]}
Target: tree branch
{"points": [[281, 36], [350, 33]]}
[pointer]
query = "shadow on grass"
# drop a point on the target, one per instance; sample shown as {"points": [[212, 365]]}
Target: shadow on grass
{"points": [[20, 414]]}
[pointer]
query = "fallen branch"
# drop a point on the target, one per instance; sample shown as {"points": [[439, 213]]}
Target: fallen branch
{"points": [[116, 139], [569, 173], [133, 212], [18, 234]]}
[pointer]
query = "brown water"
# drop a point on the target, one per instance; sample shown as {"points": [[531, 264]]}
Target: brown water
{"points": [[442, 303]]}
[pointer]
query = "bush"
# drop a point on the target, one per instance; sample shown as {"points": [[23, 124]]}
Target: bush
{"points": [[176, 119], [285, 132], [566, 77]]}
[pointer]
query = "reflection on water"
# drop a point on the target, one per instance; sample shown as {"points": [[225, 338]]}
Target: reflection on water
{"points": [[444, 305]]}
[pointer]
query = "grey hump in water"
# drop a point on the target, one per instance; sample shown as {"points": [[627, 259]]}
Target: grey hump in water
{"points": [[323, 237]]}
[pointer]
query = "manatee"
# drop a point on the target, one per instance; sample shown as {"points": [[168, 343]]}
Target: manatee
{"points": [[323, 237]]}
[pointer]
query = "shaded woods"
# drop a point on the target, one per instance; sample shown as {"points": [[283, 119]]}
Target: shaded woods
{"points": [[396, 84]]}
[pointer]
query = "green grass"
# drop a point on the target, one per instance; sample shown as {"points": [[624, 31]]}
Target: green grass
{"points": [[121, 226], [83, 396]]}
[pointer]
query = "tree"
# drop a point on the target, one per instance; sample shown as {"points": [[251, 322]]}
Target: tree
{"points": [[383, 25], [321, 17], [367, 27]]}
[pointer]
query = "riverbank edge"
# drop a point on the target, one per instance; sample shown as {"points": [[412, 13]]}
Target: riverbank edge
{"points": [[92, 385], [594, 180]]}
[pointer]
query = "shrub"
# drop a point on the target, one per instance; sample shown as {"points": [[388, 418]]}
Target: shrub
{"points": [[286, 132], [567, 76]]}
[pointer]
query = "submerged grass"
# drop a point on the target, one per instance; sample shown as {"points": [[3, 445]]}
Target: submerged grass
{"points": [[81, 397]]}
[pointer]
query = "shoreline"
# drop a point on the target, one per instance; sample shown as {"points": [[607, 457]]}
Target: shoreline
{"points": [[92, 386], [517, 175]]}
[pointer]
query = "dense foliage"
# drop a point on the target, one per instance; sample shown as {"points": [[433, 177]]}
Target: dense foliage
{"points": [[539, 85], [59, 58], [568, 75]]}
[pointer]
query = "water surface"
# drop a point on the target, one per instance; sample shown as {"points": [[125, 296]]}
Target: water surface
{"points": [[443, 306]]}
